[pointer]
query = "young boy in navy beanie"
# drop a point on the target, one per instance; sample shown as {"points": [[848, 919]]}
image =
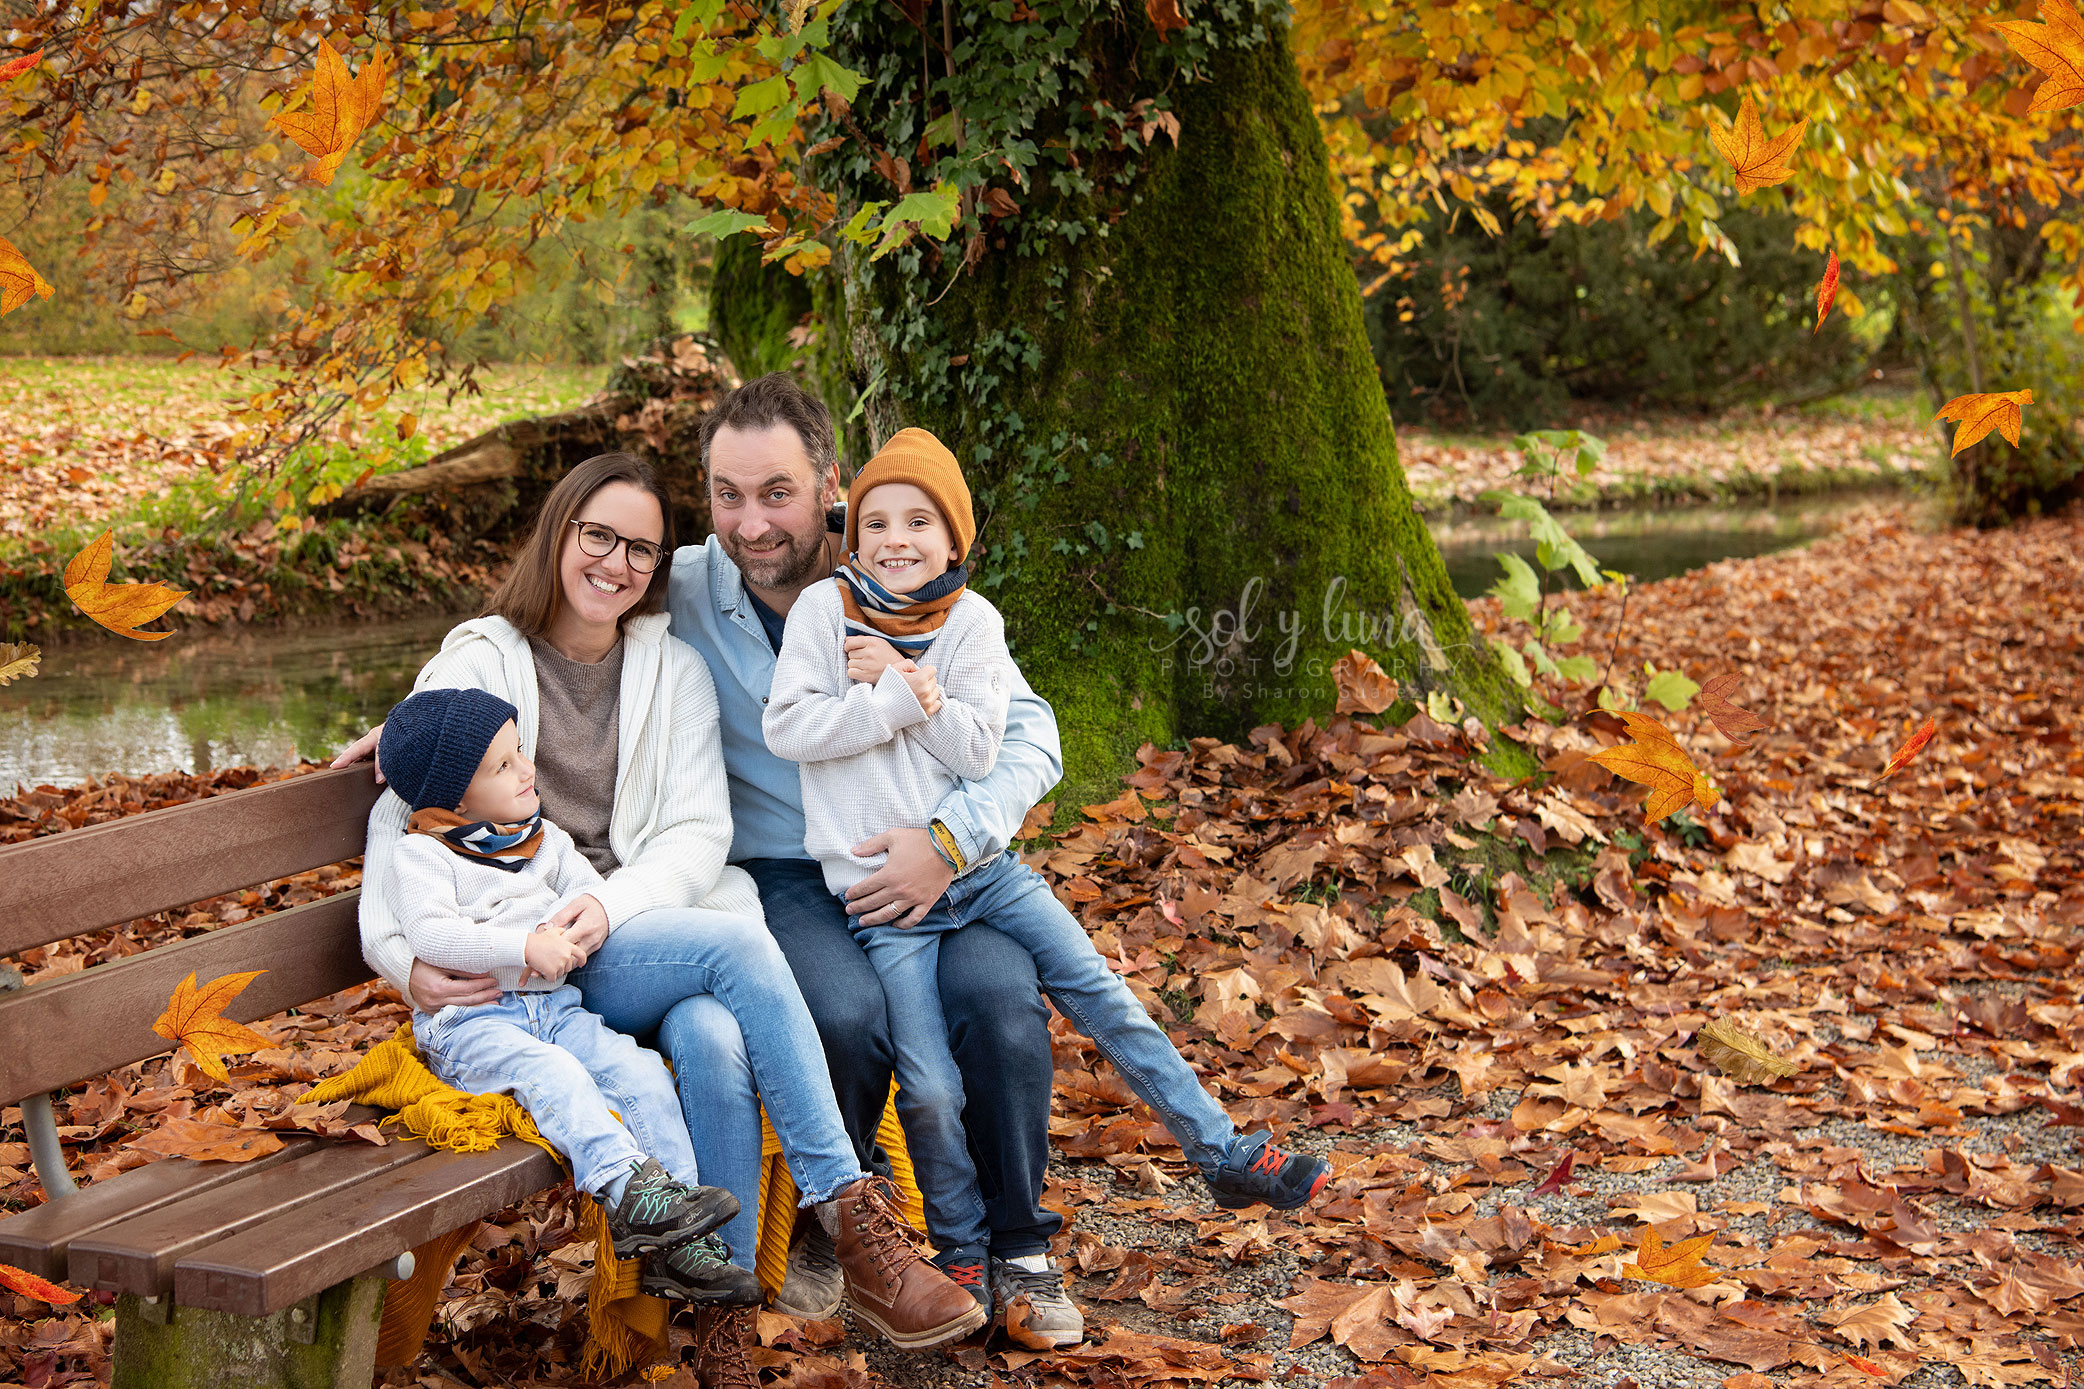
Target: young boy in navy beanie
{"points": [[476, 879]]}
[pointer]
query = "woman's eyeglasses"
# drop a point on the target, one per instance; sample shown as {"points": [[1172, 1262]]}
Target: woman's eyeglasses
{"points": [[600, 542]]}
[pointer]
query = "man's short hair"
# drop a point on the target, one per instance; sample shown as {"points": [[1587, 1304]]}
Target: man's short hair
{"points": [[773, 399]]}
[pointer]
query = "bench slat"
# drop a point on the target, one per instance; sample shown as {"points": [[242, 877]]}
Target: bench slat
{"points": [[38, 1240], [138, 1256], [62, 885], [282, 1261], [89, 1023]]}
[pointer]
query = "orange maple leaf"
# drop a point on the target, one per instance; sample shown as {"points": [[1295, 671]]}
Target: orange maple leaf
{"points": [[195, 1018], [1363, 686], [209, 1142], [1732, 722], [1979, 414], [17, 279], [2057, 49], [1655, 760], [1676, 1267], [1826, 292], [1910, 749], [1165, 17], [14, 68], [122, 608], [21, 1281], [1758, 162], [342, 107]]}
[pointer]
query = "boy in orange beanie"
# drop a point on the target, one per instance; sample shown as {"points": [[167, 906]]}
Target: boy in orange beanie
{"points": [[883, 735]]}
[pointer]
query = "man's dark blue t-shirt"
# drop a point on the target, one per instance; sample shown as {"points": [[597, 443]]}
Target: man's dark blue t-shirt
{"points": [[773, 621]]}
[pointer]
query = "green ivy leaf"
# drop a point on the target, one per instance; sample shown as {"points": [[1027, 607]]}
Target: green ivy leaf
{"points": [[1519, 592], [817, 72], [761, 98], [698, 15], [723, 222]]}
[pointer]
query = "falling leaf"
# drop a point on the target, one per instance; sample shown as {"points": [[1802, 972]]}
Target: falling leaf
{"points": [[407, 423], [15, 67], [1758, 162], [1676, 1267], [17, 280], [2057, 49], [1979, 414], [342, 108], [17, 660], [29, 1285], [1728, 1047], [1733, 723], [1655, 760], [1826, 292], [1553, 1183], [1165, 17], [1364, 687], [122, 608], [1910, 749], [208, 1142], [794, 11], [195, 1018]]}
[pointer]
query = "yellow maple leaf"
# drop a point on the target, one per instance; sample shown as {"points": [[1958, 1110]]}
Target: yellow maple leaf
{"points": [[17, 279], [1676, 1267], [122, 608], [1758, 162], [17, 660], [1655, 760], [1981, 413], [2056, 48], [342, 107], [195, 1018]]}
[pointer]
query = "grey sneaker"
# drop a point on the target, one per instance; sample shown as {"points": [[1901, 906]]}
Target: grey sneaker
{"points": [[1040, 1315], [814, 1283]]}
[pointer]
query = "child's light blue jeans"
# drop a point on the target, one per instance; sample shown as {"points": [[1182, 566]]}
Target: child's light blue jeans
{"points": [[1014, 899], [568, 1069]]}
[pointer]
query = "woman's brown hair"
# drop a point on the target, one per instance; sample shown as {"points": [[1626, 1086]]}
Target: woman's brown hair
{"points": [[530, 594]]}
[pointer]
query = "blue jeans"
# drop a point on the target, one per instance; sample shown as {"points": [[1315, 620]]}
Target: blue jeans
{"points": [[1013, 898], [998, 1029], [689, 976], [568, 1069]]}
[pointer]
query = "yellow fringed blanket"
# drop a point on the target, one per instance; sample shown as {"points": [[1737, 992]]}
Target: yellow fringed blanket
{"points": [[623, 1324]]}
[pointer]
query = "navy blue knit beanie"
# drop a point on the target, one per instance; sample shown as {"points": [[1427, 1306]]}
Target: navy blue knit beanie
{"points": [[433, 741]]}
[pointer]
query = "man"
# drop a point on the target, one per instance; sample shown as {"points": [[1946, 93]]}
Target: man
{"points": [[769, 452]]}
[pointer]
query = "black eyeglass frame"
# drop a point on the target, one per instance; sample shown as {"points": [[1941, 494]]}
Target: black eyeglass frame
{"points": [[650, 547]]}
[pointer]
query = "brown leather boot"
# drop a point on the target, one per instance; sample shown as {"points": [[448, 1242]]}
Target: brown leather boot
{"points": [[891, 1284], [723, 1335]]}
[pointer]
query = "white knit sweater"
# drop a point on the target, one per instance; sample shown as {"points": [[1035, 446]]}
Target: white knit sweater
{"points": [[671, 825], [871, 758], [464, 914]]}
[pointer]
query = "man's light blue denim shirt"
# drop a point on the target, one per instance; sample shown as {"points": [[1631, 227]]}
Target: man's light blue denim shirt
{"points": [[711, 612]]}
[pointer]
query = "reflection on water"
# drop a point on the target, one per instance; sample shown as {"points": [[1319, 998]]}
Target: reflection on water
{"points": [[205, 699]]}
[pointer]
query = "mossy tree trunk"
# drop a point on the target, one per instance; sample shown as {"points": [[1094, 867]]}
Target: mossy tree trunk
{"points": [[1186, 476]]}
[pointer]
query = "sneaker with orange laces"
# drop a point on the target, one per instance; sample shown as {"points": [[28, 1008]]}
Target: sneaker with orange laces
{"points": [[1254, 1170]]}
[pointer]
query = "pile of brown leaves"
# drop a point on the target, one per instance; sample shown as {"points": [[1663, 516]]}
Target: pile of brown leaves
{"points": [[1481, 999]]}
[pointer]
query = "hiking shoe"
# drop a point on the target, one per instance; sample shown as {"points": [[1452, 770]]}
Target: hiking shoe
{"points": [[700, 1271], [1040, 1315], [966, 1267], [723, 1338], [1254, 1170], [814, 1283], [657, 1212], [890, 1283]]}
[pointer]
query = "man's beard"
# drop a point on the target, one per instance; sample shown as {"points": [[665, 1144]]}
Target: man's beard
{"points": [[796, 561]]}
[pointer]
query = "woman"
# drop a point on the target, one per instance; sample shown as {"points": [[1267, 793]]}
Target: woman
{"points": [[620, 719]]}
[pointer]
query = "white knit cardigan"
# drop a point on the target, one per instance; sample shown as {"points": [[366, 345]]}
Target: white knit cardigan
{"points": [[670, 826]]}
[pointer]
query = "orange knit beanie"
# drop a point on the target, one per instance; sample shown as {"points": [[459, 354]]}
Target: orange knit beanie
{"points": [[915, 456]]}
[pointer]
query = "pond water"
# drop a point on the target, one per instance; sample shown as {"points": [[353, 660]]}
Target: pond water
{"points": [[208, 699]]}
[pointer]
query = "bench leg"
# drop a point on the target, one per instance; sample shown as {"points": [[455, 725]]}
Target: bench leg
{"points": [[328, 1342]]}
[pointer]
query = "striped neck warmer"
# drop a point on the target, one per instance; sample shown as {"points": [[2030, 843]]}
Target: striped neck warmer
{"points": [[908, 621], [505, 847]]}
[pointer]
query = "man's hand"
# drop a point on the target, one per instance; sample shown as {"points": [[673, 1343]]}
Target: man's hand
{"points": [[431, 988], [924, 686], [905, 888], [550, 955], [866, 657], [584, 922], [364, 746]]}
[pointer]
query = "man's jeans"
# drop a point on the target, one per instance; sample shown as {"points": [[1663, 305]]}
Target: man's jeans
{"points": [[568, 1069], [998, 1029], [1014, 898], [692, 975]]}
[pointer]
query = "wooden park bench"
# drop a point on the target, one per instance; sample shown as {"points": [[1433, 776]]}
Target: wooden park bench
{"points": [[229, 1275]]}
